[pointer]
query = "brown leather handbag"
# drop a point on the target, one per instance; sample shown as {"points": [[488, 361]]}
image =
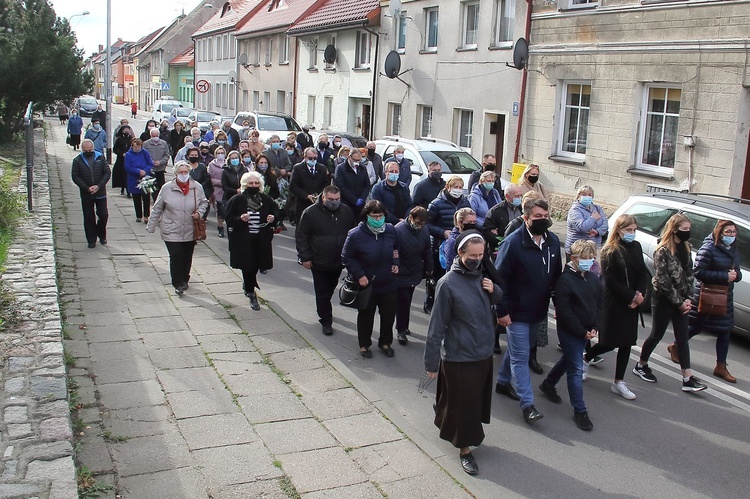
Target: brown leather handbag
{"points": [[199, 225], [713, 299]]}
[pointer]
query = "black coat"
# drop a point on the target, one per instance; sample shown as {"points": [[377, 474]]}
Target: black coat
{"points": [[120, 147], [230, 181], [200, 175], [353, 185], [578, 302], [233, 139], [414, 254], [712, 264], [243, 248], [84, 176], [177, 140], [623, 273], [278, 159], [321, 234], [426, 191], [101, 116], [372, 255], [305, 140], [304, 183], [497, 218]]}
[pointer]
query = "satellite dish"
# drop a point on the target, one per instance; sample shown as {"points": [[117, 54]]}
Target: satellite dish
{"points": [[392, 64], [232, 75], [329, 54], [521, 53], [394, 7], [242, 59]]}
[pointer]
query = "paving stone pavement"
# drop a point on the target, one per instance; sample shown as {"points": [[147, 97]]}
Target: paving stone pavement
{"points": [[200, 396]]}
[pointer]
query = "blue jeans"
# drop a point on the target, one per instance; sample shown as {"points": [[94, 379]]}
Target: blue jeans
{"points": [[571, 363], [515, 363]]}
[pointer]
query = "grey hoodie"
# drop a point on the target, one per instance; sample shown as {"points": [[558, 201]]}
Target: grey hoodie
{"points": [[461, 328]]}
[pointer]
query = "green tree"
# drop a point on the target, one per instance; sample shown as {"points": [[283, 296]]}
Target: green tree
{"points": [[39, 60]]}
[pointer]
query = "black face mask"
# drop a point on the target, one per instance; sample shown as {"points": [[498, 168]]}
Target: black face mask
{"points": [[252, 190], [204, 152], [683, 235], [533, 179], [322, 145], [539, 226], [470, 226], [193, 159], [371, 153], [489, 168], [472, 264], [88, 154]]}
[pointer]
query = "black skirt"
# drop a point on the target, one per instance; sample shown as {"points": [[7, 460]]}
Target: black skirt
{"points": [[464, 397]]}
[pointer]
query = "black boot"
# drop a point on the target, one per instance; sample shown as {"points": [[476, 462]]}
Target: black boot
{"points": [[533, 364], [253, 301]]}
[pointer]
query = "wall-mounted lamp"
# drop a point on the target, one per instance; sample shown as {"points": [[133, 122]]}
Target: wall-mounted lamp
{"points": [[688, 141]]}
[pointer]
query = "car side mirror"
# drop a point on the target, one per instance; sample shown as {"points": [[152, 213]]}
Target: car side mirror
{"points": [[417, 172]]}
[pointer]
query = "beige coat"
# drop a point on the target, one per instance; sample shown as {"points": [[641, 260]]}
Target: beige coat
{"points": [[527, 186], [173, 211]]}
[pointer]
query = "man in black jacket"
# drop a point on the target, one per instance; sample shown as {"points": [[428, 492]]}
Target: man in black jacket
{"points": [[376, 160], [232, 136], [90, 172], [428, 189], [320, 237], [309, 178], [352, 178], [304, 139], [100, 114], [500, 215]]}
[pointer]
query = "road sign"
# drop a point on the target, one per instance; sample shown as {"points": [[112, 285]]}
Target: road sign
{"points": [[202, 86], [165, 87]]}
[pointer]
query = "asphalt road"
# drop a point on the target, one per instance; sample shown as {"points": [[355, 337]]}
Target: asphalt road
{"points": [[666, 443]]}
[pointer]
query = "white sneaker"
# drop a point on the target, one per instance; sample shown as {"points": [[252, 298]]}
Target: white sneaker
{"points": [[585, 371], [620, 388]]}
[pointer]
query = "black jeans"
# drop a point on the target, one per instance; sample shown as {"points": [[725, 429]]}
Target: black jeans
{"points": [[623, 357], [325, 282], [404, 296], [386, 305], [160, 181], [663, 312], [180, 261], [93, 209], [142, 203]]}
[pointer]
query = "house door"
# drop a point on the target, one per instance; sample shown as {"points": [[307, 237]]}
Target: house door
{"points": [[497, 128], [365, 128]]}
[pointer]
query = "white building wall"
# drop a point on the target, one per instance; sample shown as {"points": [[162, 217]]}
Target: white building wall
{"points": [[215, 68]]}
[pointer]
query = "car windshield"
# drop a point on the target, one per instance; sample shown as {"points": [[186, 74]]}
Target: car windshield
{"points": [[650, 218], [277, 123], [88, 102], [168, 106], [203, 117], [183, 112], [458, 162]]}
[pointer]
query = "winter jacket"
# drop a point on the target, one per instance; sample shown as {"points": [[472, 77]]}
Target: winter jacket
{"points": [[354, 185], [75, 124], [278, 159], [159, 152], [173, 211], [461, 327], [215, 169], [672, 282], [386, 194], [177, 140], [474, 179], [372, 255], [712, 265], [324, 155], [243, 249], [321, 234], [581, 221], [527, 186], [233, 138], [528, 274], [623, 273], [86, 173], [426, 191], [443, 207], [99, 138], [200, 175], [449, 249], [498, 219], [578, 302], [481, 200], [414, 254], [230, 180], [134, 163], [101, 115], [304, 183], [404, 169]]}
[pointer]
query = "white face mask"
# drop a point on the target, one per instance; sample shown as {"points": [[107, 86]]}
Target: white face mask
{"points": [[183, 177], [456, 193], [154, 139]]}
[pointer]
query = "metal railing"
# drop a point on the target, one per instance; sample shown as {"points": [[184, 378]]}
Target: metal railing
{"points": [[28, 127]]}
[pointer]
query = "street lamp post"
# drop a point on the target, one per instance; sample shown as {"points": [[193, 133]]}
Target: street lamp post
{"points": [[108, 82], [84, 13]]}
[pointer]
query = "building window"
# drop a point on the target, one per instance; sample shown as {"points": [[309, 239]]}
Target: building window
{"points": [[269, 50], [232, 47], [464, 128], [256, 100], [577, 4], [218, 95], [210, 49], [267, 101], [401, 32], [218, 47], [575, 106], [431, 29], [226, 47], [327, 112], [470, 25], [280, 101], [659, 138], [313, 63], [197, 52], [363, 49], [283, 49], [256, 52], [310, 110], [505, 17], [394, 119], [245, 99], [425, 121]]}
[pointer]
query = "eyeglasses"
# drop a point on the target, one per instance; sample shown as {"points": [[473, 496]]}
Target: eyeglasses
{"points": [[729, 232]]}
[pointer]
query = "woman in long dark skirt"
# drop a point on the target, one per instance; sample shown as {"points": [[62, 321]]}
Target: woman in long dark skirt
{"points": [[122, 144], [461, 323]]}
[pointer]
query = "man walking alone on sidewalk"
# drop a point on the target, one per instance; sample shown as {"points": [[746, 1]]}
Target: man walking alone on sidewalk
{"points": [[90, 172]]}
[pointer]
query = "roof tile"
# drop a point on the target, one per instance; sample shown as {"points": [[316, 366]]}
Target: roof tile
{"points": [[336, 12], [239, 9], [265, 20]]}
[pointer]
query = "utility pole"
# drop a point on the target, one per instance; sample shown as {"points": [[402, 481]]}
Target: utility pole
{"points": [[108, 83]]}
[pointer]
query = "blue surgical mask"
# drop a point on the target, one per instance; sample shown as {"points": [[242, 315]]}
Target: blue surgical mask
{"points": [[290, 151], [275, 146], [586, 200], [97, 127], [585, 265], [517, 202], [222, 142], [263, 167], [628, 238], [398, 157], [488, 185], [728, 240], [393, 177], [234, 162], [247, 160], [312, 162]]}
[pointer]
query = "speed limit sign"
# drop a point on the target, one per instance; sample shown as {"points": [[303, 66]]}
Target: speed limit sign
{"points": [[202, 86]]}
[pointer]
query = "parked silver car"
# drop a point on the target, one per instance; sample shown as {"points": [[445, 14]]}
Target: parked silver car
{"points": [[652, 210]]}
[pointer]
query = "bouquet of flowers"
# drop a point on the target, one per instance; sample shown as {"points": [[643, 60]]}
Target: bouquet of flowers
{"points": [[147, 184]]}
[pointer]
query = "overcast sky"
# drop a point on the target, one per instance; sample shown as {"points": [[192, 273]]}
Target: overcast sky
{"points": [[131, 19]]}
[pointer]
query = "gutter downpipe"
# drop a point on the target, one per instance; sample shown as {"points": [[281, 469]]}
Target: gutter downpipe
{"points": [[296, 79], [521, 105], [371, 131]]}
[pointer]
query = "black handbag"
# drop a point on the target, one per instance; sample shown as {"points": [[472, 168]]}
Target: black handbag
{"points": [[352, 295]]}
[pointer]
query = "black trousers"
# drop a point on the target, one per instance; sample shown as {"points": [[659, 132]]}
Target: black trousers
{"points": [[662, 313], [250, 278], [386, 305], [95, 216], [403, 296], [142, 203], [325, 282], [439, 272], [180, 261], [623, 357], [160, 181]]}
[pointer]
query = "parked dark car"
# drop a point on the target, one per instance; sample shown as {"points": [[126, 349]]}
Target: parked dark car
{"points": [[347, 139], [86, 106]]}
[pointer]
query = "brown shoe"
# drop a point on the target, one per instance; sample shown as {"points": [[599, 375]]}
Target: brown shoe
{"points": [[721, 371], [672, 349]]}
